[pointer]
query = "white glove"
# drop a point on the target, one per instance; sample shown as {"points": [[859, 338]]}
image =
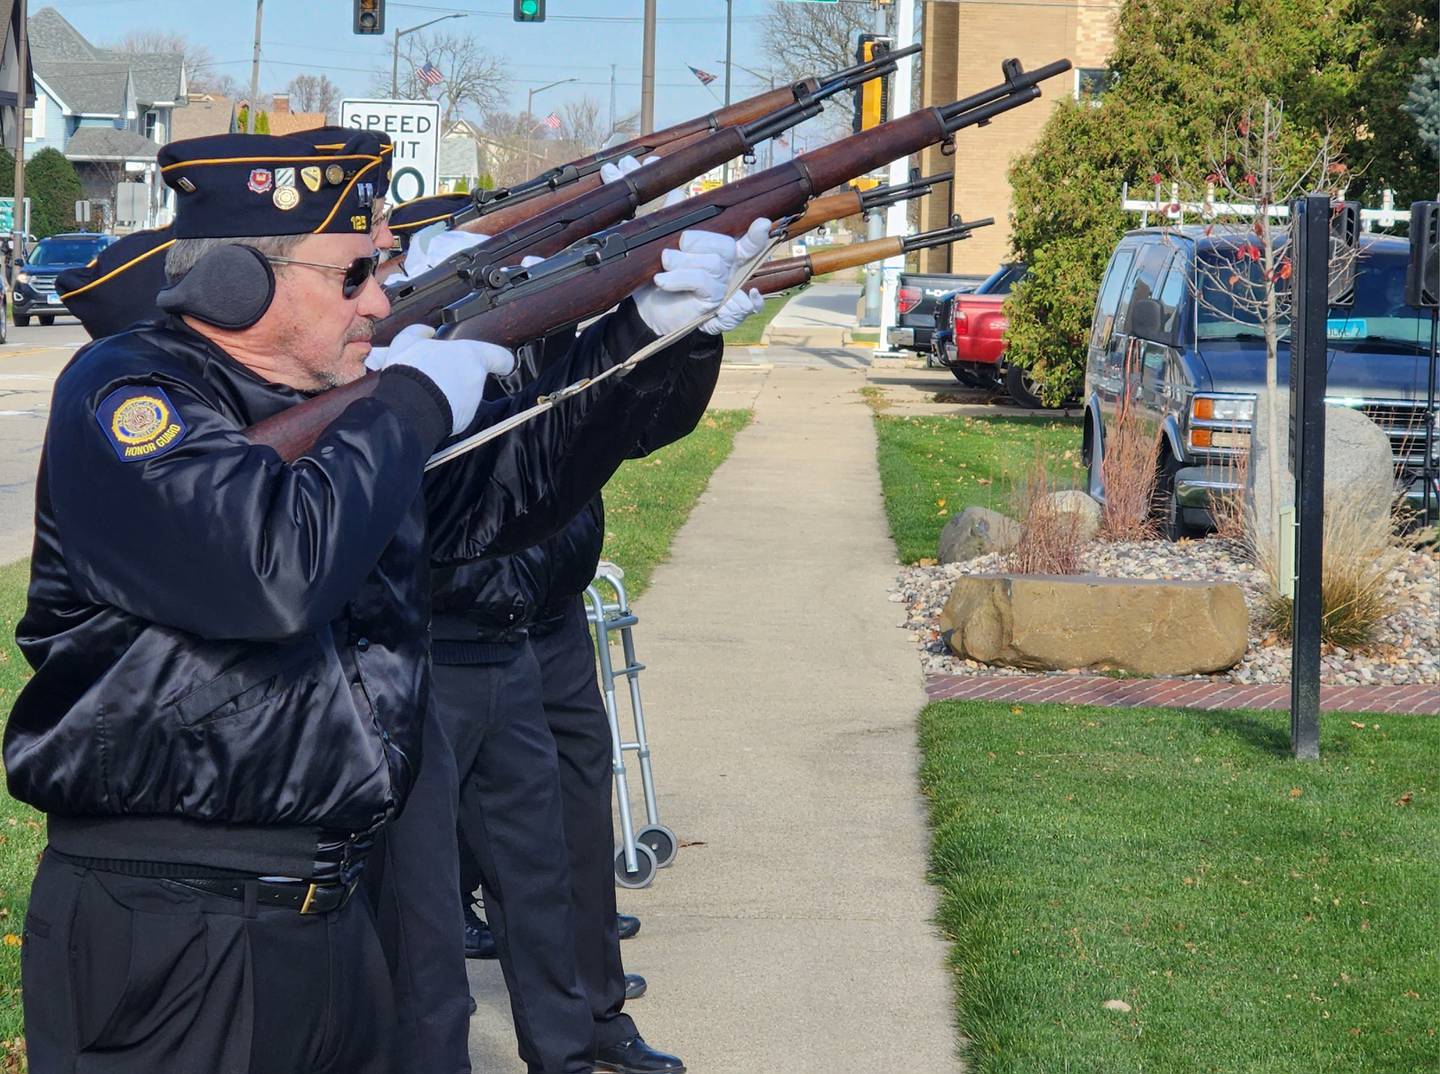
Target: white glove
{"points": [[458, 367], [696, 277], [429, 248], [739, 306], [610, 172]]}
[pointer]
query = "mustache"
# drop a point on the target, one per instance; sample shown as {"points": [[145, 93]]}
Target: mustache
{"points": [[361, 332]]}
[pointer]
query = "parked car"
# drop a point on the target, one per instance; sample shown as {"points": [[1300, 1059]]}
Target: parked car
{"points": [[969, 337], [1169, 337], [35, 294], [915, 300]]}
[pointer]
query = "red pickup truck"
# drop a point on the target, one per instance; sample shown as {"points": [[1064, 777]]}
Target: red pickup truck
{"points": [[970, 337]]}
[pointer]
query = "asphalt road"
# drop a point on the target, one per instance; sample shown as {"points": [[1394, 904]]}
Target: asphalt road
{"points": [[29, 362]]}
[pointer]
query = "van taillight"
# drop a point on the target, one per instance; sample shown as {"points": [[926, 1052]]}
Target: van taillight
{"points": [[908, 298]]}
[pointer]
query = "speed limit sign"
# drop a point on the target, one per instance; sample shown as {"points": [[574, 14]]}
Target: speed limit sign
{"points": [[414, 128]]}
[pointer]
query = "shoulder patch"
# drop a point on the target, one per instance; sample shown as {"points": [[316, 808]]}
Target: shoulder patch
{"points": [[140, 422]]}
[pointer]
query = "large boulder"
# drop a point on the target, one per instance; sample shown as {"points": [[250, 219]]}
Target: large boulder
{"points": [[1084, 507], [1043, 622], [1359, 466], [976, 532]]}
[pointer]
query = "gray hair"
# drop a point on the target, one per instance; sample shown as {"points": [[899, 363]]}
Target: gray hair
{"points": [[184, 255]]}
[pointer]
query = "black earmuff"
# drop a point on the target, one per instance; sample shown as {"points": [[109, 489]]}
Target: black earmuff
{"points": [[230, 287]]}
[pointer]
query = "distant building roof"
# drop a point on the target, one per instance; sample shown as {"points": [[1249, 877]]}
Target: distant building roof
{"points": [[203, 114], [86, 87], [52, 38], [159, 76], [290, 122], [107, 143]]}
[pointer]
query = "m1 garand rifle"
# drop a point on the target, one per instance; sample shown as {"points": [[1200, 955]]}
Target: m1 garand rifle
{"points": [[783, 274], [838, 206], [494, 210], [515, 304], [421, 299]]}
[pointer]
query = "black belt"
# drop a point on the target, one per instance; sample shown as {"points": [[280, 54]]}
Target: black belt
{"points": [[301, 895], [306, 898]]}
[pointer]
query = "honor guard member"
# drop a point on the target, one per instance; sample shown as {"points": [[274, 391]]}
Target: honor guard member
{"points": [[230, 651], [534, 802]]}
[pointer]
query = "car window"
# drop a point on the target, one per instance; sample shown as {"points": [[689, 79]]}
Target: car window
{"points": [[1150, 269], [1153, 363], [64, 251], [1110, 296], [1002, 281], [1231, 290], [1172, 292]]}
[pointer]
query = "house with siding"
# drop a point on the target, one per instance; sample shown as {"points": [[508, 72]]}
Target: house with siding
{"points": [[108, 112], [10, 72]]}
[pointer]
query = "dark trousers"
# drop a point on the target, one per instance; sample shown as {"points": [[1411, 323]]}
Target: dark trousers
{"points": [[411, 879], [575, 714], [135, 975], [511, 816]]}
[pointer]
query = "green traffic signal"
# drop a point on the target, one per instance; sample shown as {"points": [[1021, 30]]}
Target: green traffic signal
{"points": [[529, 10]]}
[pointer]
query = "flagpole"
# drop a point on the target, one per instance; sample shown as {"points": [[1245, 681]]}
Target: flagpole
{"points": [[729, 52]]}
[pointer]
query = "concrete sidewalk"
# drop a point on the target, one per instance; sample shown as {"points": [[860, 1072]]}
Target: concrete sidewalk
{"points": [[822, 315], [794, 933]]}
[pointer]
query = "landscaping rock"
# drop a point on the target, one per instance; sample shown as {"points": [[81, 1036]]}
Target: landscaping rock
{"points": [[1083, 505], [1043, 622], [1359, 465], [977, 531]]}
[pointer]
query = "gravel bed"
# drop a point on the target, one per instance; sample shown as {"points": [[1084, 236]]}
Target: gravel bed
{"points": [[1406, 647]]}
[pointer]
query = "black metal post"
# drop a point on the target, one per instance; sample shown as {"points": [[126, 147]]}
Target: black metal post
{"points": [[1310, 251], [1429, 473]]}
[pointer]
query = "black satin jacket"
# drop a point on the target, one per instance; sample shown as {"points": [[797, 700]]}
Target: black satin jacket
{"points": [[486, 598], [218, 636]]}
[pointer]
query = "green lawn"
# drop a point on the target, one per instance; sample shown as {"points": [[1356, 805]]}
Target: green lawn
{"points": [[1257, 915], [646, 503], [932, 468], [749, 333]]}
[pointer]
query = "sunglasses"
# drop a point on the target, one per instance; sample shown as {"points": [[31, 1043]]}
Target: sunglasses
{"points": [[355, 274]]}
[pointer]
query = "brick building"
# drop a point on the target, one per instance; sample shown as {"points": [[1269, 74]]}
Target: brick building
{"points": [[964, 44]]}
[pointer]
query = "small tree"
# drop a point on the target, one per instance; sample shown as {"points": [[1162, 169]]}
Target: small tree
{"points": [[53, 189], [1258, 162], [1423, 103]]}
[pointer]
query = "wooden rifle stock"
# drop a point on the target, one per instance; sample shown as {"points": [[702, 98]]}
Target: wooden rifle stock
{"points": [[596, 275], [781, 275], [824, 209]]}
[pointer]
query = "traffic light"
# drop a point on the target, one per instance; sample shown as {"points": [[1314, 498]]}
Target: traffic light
{"points": [[529, 10], [369, 16], [872, 100]]}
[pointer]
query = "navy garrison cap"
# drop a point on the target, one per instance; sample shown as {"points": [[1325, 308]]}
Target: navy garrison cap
{"points": [[409, 218], [118, 288], [327, 180]]}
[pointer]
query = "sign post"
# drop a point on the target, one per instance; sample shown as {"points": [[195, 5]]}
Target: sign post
{"points": [[1310, 248], [414, 127]]}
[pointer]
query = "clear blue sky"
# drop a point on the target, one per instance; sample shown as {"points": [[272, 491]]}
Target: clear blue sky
{"points": [[580, 39]]}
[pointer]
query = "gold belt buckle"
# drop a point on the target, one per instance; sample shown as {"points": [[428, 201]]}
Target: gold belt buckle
{"points": [[309, 899]]}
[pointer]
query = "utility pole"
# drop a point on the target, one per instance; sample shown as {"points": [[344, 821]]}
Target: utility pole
{"points": [[875, 222], [729, 53], [898, 223], [395, 49], [612, 102], [255, 72], [647, 72], [17, 217]]}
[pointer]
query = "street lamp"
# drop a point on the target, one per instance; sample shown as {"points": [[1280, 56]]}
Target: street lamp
{"points": [[530, 100], [395, 49]]}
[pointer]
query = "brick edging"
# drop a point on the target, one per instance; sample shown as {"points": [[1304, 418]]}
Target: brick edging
{"points": [[1173, 693]]}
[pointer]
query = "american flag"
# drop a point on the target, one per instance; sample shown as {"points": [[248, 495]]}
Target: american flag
{"points": [[705, 77], [552, 121], [429, 74]]}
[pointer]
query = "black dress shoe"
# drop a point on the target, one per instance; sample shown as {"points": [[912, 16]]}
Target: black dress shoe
{"points": [[479, 940], [634, 1056], [627, 925], [634, 986]]}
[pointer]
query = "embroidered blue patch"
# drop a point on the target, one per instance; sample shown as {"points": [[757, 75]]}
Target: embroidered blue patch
{"points": [[140, 422]]}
